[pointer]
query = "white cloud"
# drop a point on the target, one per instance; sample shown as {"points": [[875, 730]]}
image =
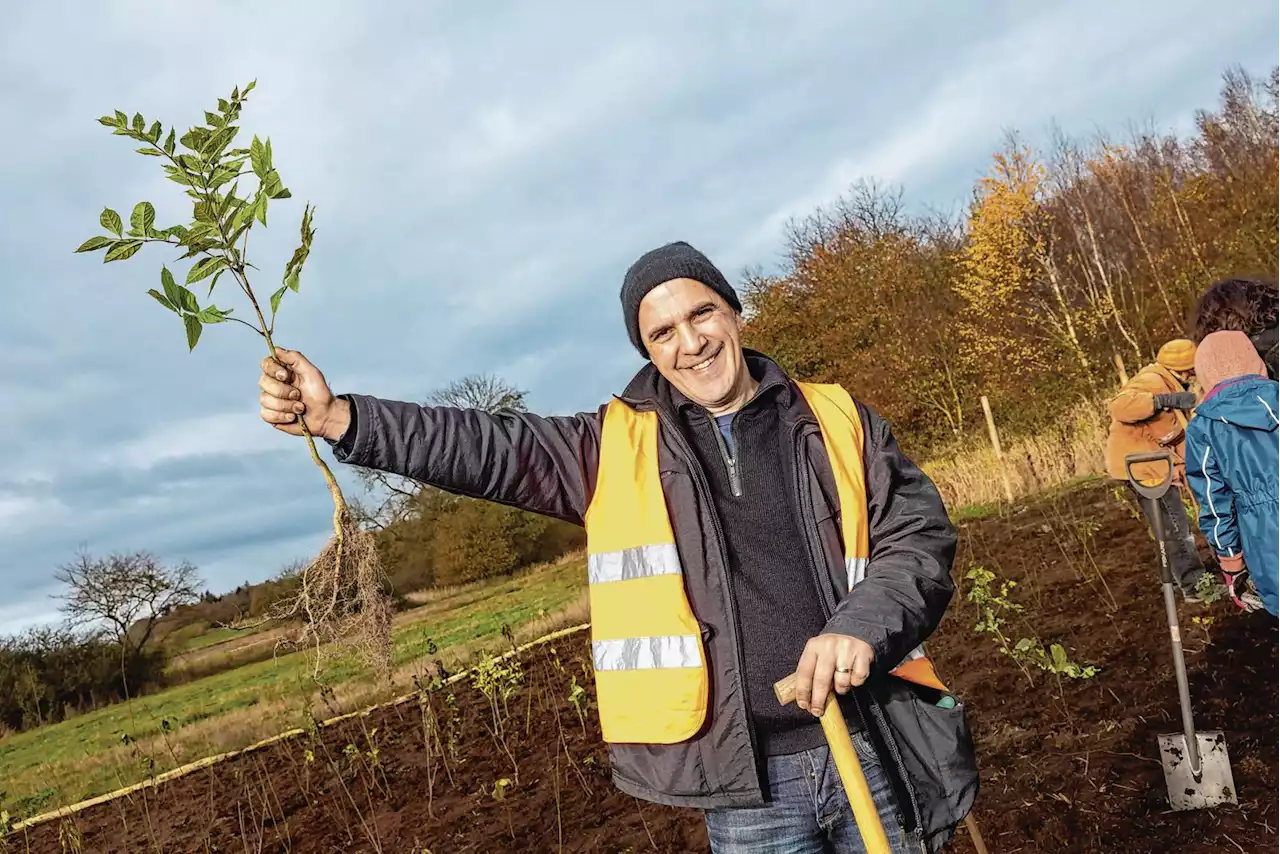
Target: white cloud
{"points": [[1049, 67], [228, 433], [17, 512]]}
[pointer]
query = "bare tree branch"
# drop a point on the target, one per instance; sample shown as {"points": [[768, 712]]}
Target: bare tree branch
{"points": [[129, 593]]}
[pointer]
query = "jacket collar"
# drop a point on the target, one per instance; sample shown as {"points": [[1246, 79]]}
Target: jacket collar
{"points": [[1229, 381]]}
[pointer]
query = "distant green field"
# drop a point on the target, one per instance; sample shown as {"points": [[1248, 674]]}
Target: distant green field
{"points": [[210, 637], [88, 755]]}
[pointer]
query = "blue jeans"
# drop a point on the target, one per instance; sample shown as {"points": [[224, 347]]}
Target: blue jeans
{"points": [[809, 812]]}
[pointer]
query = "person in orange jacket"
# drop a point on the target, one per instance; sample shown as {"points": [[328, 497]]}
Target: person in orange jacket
{"points": [[1150, 414]]}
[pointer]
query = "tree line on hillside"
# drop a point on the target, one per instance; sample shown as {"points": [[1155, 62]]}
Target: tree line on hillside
{"points": [[1062, 262], [106, 649]]}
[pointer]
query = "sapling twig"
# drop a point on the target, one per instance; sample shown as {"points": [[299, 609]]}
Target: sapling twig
{"points": [[343, 591]]}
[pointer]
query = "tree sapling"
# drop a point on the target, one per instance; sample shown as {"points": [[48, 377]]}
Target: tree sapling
{"points": [[343, 594]]}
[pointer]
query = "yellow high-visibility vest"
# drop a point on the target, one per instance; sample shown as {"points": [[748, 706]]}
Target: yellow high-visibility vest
{"points": [[652, 678]]}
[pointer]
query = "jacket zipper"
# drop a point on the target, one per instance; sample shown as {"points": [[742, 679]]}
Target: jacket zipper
{"points": [[806, 507], [679, 441], [735, 479]]}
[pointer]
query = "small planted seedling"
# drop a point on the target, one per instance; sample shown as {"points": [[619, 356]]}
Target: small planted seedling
{"points": [[343, 591]]}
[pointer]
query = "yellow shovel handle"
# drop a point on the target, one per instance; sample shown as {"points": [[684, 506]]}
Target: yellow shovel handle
{"points": [[846, 761]]}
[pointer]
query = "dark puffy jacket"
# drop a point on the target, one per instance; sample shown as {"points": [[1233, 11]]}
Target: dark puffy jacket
{"points": [[549, 465], [1233, 467]]}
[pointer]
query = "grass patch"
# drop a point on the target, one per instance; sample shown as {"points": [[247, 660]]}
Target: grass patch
{"points": [[210, 637]]}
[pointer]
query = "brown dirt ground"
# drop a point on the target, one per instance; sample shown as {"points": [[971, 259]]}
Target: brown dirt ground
{"points": [[1068, 767]]}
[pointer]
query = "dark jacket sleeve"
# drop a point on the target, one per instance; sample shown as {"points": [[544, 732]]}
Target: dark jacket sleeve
{"points": [[913, 543], [543, 465]]}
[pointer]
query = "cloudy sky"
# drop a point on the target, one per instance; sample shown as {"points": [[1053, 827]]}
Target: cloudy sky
{"points": [[482, 180]]}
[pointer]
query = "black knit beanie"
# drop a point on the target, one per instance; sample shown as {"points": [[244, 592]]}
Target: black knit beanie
{"points": [[676, 260]]}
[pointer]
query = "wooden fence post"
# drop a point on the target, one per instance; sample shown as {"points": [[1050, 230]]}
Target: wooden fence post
{"points": [[995, 444], [1120, 371]]}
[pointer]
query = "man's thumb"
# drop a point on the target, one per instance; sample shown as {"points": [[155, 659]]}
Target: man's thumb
{"points": [[290, 358]]}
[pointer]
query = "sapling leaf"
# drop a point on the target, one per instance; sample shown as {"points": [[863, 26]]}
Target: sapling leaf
{"points": [[122, 249], [139, 123], [187, 301], [205, 268], [261, 161], [192, 323], [153, 133], [294, 267], [223, 105], [216, 276], [197, 248], [160, 298], [214, 146], [178, 176], [142, 218], [109, 121], [194, 140], [110, 220], [196, 234], [275, 299], [213, 315], [272, 186], [94, 243], [235, 235], [170, 286], [261, 209], [169, 143], [1059, 656], [121, 119], [150, 152], [245, 212]]}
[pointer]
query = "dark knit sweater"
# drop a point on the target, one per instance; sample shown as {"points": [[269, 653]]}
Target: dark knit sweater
{"points": [[772, 580]]}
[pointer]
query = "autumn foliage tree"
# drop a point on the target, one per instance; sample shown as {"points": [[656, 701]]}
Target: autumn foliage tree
{"points": [[1061, 262]]}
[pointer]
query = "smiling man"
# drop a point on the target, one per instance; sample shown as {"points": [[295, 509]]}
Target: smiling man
{"points": [[740, 526]]}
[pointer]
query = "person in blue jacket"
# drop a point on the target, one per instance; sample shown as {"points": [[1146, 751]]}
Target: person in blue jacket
{"points": [[1233, 462]]}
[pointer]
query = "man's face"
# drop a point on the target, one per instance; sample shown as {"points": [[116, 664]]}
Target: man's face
{"points": [[694, 339]]}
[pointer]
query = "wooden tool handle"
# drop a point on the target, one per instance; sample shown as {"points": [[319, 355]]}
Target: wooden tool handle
{"points": [[850, 769]]}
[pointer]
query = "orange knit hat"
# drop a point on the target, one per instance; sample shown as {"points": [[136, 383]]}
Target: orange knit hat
{"points": [[1226, 355], [1178, 355]]}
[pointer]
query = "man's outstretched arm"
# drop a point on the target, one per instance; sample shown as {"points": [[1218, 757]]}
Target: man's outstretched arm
{"points": [[544, 465]]}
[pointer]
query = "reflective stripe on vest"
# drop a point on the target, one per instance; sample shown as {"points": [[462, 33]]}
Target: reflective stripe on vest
{"points": [[842, 434], [650, 666]]}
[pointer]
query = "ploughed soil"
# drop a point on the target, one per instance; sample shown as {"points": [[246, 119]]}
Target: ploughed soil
{"points": [[1067, 764]]}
